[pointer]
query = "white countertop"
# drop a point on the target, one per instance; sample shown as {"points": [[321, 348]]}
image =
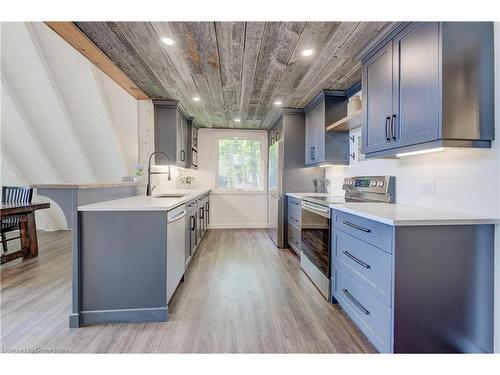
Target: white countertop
{"points": [[89, 185], [404, 215], [145, 203]]}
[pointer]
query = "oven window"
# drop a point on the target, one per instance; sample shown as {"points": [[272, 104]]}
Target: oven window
{"points": [[316, 239]]}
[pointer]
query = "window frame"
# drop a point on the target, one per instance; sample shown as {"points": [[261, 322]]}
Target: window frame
{"points": [[259, 135]]}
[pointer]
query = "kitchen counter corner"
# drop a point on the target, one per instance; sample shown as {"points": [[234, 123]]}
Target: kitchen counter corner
{"points": [[405, 215]]}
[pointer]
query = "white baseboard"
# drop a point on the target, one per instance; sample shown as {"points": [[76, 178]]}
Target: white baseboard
{"points": [[239, 226]]}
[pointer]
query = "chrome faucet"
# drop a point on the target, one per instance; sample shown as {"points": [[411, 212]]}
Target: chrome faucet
{"points": [[148, 187]]}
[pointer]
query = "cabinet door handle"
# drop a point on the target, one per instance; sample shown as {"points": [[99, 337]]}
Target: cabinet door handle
{"points": [[393, 127], [277, 136], [355, 302], [387, 125], [355, 226], [183, 155], [352, 257], [201, 213], [193, 222], [313, 151]]}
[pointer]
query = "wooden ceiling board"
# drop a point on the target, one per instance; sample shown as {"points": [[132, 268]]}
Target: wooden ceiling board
{"points": [[198, 44], [104, 35], [278, 44], [254, 32], [238, 69], [230, 44]]}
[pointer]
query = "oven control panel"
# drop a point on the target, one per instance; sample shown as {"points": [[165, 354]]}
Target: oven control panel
{"points": [[371, 188]]}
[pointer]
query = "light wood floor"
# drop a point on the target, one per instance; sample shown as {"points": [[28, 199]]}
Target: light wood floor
{"points": [[241, 295]]}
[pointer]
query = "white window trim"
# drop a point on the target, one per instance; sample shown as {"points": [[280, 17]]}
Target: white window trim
{"points": [[260, 135]]}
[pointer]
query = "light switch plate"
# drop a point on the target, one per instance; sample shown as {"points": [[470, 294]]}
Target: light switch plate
{"points": [[428, 187]]}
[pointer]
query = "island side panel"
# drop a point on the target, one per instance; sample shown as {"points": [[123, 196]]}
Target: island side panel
{"points": [[122, 273], [443, 289], [68, 199]]}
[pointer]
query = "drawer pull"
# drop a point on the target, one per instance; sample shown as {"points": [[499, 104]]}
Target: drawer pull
{"points": [[355, 302], [352, 257], [349, 224]]}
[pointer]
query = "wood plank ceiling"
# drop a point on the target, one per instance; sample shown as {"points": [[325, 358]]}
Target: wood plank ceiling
{"points": [[237, 69]]}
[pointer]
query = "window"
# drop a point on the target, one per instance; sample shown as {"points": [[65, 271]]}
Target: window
{"points": [[240, 163]]}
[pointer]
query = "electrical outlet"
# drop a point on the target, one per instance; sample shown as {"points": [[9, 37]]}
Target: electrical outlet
{"points": [[428, 187]]}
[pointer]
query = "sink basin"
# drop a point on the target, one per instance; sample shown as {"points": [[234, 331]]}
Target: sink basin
{"points": [[169, 195]]}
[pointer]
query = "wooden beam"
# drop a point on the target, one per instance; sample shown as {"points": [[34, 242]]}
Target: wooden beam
{"points": [[78, 40]]}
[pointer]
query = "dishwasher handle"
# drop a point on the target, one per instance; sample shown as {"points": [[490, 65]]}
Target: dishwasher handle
{"points": [[177, 217]]}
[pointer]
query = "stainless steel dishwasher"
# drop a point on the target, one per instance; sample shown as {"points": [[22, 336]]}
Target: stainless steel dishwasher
{"points": [[176, 248]]}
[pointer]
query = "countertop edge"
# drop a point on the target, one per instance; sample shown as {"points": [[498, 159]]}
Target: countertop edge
{"points": [[97, 207], [86, 185], [418, 222]]}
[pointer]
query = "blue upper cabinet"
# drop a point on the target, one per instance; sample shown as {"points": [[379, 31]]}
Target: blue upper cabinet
{"points": [[427, 85], [377, 99], [415, 117], [322, 147]]}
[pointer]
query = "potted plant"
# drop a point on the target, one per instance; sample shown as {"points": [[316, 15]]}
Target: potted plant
{"points": [[138, 173], [186, 181]]}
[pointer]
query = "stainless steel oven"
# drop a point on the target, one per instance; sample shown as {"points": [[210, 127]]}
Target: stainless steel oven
{"points": [[315, 244], [315, 257]]}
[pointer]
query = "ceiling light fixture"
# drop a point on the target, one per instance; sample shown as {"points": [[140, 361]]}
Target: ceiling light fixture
{"points": [[437, 149], [196, 98], [277, 102], [237, 120], [168, 41], [307, 52]]}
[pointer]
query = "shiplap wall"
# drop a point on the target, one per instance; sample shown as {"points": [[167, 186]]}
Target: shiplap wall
{"points": [[465, 179], [62, 119]]}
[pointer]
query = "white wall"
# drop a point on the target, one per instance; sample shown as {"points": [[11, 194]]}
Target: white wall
{"points": [[228, 210], [464, 179], [62, 119]]}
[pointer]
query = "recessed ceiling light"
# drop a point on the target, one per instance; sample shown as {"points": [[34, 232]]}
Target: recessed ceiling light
{"points": [[196, 98], [307, 52], [237, 120], [168, 41], [277, 102]]}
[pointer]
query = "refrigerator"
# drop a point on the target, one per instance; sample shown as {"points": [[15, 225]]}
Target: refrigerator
{"points": [[275, 193], [286, 171]]}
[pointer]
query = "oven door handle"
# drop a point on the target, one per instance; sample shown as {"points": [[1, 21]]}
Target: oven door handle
{"points": [[322, 211]]}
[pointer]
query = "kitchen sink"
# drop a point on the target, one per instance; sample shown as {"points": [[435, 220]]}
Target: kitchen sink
{"points": [[169, 195]]}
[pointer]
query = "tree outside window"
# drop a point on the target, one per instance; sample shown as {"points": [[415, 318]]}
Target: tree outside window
{"points": [[240, 164]]}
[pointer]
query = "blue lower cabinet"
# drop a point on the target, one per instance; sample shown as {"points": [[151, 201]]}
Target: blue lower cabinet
{"points": [[415, 289], [371, 265], [369, 313]]}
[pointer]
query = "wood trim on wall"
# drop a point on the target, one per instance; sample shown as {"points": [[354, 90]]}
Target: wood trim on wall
{"points": [[78, 40]]}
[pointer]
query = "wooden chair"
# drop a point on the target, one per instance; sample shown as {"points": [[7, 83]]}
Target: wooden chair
{"points": [[13, 194]]}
